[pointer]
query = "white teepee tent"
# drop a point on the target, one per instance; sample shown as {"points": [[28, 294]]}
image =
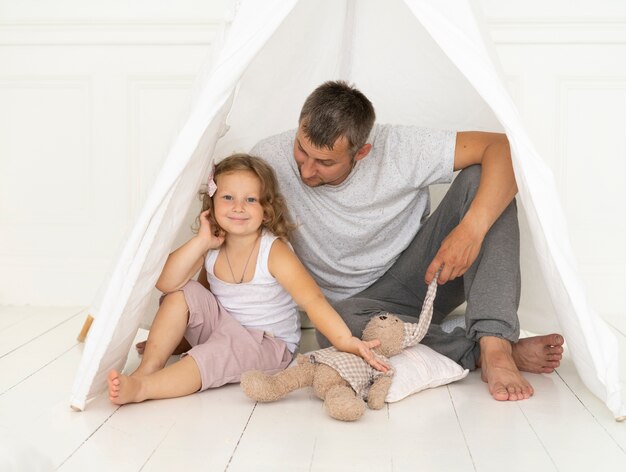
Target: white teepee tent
{"points": [[434, 70]]}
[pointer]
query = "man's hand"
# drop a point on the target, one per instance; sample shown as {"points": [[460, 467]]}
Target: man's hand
{"points": [[363, 349], [457, 253]]}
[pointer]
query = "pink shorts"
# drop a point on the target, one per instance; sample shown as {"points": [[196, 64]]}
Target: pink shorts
{"points": [[224, 349]]}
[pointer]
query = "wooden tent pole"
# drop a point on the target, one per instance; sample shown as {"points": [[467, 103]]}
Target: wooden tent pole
{"points": [[85, 329]]}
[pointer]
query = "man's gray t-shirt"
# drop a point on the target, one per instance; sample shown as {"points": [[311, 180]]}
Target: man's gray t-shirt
{"points": [[349, 235]]}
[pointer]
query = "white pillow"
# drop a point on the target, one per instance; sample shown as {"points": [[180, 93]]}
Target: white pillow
{"points": [[418, 368]]}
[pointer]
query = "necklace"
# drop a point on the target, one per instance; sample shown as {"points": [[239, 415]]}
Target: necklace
{"points": [[245, 266]]}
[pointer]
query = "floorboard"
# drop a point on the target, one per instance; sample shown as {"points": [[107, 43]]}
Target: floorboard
{"points": [[206, 433], [596, 407], [452, 428], [32, 323], [37, 410], [295, 433], [426, 433], [560, 421], [40, 345], [496, 431]]}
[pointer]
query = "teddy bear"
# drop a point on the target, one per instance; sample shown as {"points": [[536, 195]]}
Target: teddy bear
{"points": [[344, 381]]}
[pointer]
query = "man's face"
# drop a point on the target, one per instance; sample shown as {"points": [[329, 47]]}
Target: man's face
{"points": [[323, 166]]}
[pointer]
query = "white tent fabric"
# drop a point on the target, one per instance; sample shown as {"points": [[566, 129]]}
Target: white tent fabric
{"points": [[434, 70]]}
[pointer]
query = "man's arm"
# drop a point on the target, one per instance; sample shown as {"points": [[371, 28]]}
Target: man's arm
{"points": [[496, 190]]}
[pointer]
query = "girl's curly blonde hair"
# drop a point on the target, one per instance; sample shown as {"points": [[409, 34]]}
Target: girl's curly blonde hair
{"points": [[275, 215]]}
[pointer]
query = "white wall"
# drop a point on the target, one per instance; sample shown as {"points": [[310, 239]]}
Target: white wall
{"points": [[565, 64], [92, 93]]}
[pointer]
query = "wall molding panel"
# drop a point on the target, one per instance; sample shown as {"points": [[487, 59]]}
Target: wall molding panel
{"points": [[93, 33], [145, 162], [557, 31], [39, 144], [113, 95], [585, 103]]}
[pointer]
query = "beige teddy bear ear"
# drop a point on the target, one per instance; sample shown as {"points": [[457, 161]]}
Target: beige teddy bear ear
{"points": [[415, 332]]}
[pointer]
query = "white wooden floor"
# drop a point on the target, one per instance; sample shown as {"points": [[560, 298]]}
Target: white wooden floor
{"points": [[451, 428]]}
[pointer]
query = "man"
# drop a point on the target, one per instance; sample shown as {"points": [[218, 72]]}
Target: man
{"points": [[359, 194]]}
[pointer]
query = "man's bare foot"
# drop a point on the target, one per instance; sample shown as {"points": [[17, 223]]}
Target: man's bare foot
{"points": [[538, 354], [184, 346], [500, 372], [123, 388]]}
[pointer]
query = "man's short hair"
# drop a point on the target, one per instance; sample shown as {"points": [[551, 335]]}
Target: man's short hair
{"points": [[336, 109]]}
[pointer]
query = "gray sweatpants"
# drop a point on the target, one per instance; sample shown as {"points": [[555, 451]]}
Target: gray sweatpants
{"points": [[491, 286]]}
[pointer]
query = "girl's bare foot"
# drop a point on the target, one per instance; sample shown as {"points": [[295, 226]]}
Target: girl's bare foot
{"points": [[539, 354], [124, 389]]}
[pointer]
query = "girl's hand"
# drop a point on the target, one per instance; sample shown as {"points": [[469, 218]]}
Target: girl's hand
{"points": [[206, 232], [364, 349]]}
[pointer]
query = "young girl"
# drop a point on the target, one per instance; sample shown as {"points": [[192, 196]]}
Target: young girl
{"points": [[249, 319]]}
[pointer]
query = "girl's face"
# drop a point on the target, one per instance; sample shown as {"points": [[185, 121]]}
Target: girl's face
{"points": [[237, 203]]}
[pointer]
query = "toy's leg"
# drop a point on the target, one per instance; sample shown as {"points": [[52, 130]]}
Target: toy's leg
{"points": [[378, 392], [325, 378], [342, 403], [262, 387], [340, 400]]}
